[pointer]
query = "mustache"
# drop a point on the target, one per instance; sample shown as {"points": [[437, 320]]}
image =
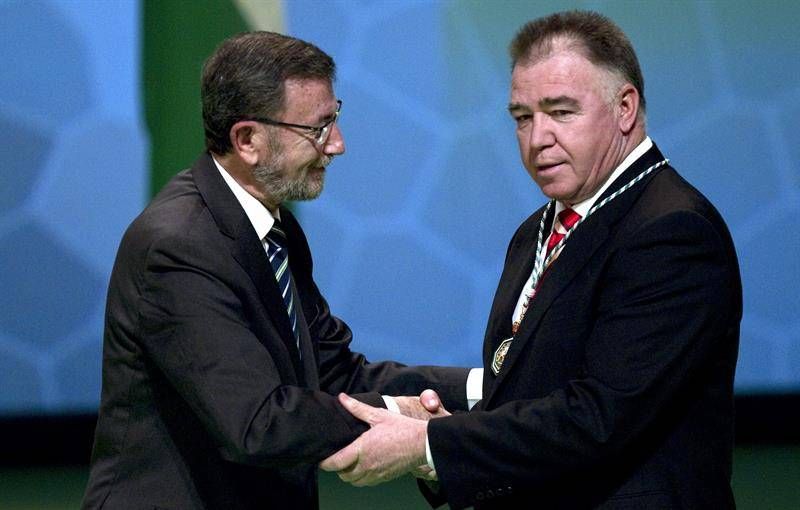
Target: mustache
{"points": [[324, 161]]}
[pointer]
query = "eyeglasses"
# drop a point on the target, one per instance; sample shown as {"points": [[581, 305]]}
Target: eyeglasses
{"points": [[319, 134]]}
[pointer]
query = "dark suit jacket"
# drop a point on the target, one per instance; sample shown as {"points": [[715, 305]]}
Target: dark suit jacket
{"points": [[617, 391], [206, 402]]}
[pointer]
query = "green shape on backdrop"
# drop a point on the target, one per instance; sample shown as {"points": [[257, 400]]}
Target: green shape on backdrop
{"points": [[178, 37]]}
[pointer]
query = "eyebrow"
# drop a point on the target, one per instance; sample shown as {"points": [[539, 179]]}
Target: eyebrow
{"points": [[546, 102], [326, 118], [515, 107], [557, 101]]}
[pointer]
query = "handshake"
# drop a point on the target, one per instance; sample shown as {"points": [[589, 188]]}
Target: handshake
{"points": [[394, 445]]}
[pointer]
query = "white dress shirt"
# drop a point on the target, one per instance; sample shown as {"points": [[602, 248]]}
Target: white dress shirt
{"points": [[260, 217]]}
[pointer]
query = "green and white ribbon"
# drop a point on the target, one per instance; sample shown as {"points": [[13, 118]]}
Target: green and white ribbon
{"points": [[541, 263]]}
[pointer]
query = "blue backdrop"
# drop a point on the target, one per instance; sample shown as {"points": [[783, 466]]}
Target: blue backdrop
{"points": [[74, 174], [410, 233]]}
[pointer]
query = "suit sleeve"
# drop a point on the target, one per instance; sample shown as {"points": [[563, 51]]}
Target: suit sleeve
{"points": [[343, 370], [665, 302], [193, 327]]}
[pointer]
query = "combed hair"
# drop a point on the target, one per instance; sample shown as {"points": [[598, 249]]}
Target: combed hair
{"points": [[244, 78], [598, 38]]}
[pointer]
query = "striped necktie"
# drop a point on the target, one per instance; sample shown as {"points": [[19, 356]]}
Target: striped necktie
{"points": [[279, 259]]}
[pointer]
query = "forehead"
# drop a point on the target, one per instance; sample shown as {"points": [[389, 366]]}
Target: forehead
{"points": [[564, 73], [308, 96]]}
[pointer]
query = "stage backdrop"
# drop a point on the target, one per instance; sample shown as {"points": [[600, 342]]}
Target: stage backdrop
{"points": [[99, 106]]}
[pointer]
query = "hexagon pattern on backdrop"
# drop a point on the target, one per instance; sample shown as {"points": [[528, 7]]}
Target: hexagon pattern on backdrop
{"points": [[410, 234], [74, 175]]}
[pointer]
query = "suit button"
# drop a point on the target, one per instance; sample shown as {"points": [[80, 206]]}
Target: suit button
{"points": [[509, 490], [499, 491], [479, 496], [489, 494]]}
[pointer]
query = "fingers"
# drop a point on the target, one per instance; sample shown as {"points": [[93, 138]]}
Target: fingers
{"points": [[395, 445], [356, 473], [430, 401], [344, 459], [412, 407], [424, 472], [362, 476], [360, 410]]}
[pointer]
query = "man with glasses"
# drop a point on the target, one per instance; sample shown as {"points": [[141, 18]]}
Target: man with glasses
{"points": [[220, 354]]}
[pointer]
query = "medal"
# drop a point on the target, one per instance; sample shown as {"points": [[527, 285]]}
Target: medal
{"points": [[541, 261], [500, 355]]}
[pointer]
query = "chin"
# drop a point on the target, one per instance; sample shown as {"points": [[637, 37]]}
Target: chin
{"points": [[312, 190], [554, 194], [315, 193], [316, 186]]}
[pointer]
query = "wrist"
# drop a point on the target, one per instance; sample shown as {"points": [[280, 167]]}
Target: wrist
{"points": [[420, 444]]}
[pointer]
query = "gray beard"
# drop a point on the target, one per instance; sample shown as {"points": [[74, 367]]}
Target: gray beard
{"points": [[280, 189]]}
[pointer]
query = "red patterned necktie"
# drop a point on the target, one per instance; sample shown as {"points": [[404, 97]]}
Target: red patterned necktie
{"points": [[566, 220]]}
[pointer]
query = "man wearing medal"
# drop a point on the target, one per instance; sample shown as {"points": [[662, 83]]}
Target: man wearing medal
{"points": [[613, 336]]}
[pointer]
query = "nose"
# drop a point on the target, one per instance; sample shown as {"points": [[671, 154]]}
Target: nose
{"points": [[334, 146], [540, 136]]}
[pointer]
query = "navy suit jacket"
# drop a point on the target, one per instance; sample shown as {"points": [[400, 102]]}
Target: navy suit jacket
{"points": [[617, 391], [206, 401]]}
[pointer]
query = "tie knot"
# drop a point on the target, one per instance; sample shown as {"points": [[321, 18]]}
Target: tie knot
{"points": [[276, 233], [276, 239], [568, 218]]}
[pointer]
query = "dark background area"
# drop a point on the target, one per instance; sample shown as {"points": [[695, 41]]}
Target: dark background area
{"points": [[44, 464]]}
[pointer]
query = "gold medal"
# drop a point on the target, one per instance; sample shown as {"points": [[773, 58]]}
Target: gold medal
{"points": [[500, 355]]}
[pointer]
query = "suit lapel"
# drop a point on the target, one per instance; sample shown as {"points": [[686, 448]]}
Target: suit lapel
{"points": [[245, 247], [516, 272], [309, 357], [577, 252]]}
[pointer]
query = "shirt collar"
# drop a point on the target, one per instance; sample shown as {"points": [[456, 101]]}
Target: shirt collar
{"points": [[259, 216], [583, 208]]}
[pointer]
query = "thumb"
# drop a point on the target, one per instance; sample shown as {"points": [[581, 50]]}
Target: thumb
{"points": [[430, 400], [360, 410]]}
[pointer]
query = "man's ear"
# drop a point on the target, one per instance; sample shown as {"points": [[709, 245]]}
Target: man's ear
{"points": [[627, 107], [243, 143]]}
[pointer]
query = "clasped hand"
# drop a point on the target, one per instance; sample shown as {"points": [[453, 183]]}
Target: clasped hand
{"points": [[394, 444]]}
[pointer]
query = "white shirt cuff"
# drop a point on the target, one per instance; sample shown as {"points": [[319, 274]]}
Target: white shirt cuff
{"points": [[474, 387], [391, 405], [428, 456]]}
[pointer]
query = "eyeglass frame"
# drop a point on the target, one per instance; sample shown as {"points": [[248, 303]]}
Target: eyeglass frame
{"points": [[324, 130]]}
